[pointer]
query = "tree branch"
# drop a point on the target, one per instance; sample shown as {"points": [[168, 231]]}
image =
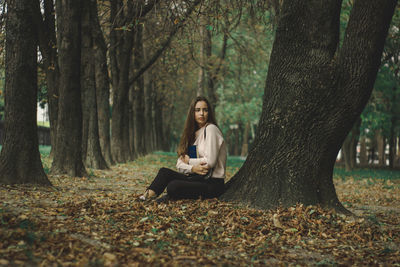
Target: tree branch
{"points": [[141, 12], [164, 45]]}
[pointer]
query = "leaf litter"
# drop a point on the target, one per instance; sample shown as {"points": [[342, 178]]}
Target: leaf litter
{"points": [[98, 221]]}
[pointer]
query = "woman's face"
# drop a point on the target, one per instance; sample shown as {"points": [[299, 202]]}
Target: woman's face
{"points": [[201, 113]]}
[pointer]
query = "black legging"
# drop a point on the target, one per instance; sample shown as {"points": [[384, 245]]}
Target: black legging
{"points": [[179, 186]]}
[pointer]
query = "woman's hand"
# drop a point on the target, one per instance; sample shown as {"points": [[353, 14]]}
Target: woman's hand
{"points": [[201, 169], [185, 159]]}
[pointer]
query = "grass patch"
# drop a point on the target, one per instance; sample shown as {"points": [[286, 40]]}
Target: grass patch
{"points": [[358, 174], [43, 123], [45, 150]]}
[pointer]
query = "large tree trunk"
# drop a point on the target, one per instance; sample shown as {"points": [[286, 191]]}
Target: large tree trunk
{"points": [[313, 97], [68, 156], [20, 159], [48, 49], [91, 151], [102, 86], [121, 42]]}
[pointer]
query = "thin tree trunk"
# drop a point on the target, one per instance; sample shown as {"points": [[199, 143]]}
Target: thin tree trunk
{"points": [[346, 153], [237, 142], [148, 102], [354, 143], [380, 141], [48, 49], [121, 42], [91, 150], [138, 101], [363, 152], [68, 156], [148, 111], [392, 146], [201, 75], [245, 143], [158, 125], [20, 158], [210, 76], [102, 86]]}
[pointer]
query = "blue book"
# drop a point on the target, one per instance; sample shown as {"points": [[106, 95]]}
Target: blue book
{"points": [[192, 151]]}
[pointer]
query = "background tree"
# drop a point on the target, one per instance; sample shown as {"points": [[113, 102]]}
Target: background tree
{"points": [[314, 94], [102, 81], [46, 29], [20, 159], [68, 156], [91, 151]]}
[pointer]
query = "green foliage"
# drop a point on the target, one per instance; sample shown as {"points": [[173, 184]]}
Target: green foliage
{"points": [[383, 108], [383, 104], [45, 150], [241, 91]]}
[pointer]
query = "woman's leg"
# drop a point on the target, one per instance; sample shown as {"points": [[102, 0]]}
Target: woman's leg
{"points": [[163, 178], [187, 189]]}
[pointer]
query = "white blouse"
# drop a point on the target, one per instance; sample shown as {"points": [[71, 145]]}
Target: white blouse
{"points": [[211, 150]]}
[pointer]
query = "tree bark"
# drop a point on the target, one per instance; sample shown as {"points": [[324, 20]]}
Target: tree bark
{"points": [[148, 112], [349, 147], [91, 151], [346, 153], [68, 156], [209, 75], [363, 152], [138, 98], [354, 143], [380, 141], [237, 141], [201, 76], [392, 141], [159, 124], [121, 42], [313, 97], [48, 49], [245, 143], [20, 158], [102, 86]]}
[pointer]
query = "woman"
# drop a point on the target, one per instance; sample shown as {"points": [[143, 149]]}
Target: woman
{"points": [[202, 131]]}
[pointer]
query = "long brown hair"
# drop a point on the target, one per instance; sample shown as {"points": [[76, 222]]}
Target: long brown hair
{"points": [[191, 126]]}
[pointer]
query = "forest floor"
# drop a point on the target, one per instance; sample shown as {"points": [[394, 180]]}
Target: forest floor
{"points": [[98, 221]]}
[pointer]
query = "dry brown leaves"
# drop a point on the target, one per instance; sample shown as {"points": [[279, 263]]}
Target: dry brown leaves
{"points": [[98, 221]]}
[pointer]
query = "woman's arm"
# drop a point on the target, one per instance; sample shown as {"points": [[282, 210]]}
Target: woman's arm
{"points": [[183, 167], [213, 142]]}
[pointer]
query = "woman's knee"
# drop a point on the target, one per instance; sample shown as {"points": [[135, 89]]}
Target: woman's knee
{"points": [[165, 172], [173, 188]]}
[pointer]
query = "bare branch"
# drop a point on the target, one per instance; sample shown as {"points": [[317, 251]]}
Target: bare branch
{"points": [[165, 44]]}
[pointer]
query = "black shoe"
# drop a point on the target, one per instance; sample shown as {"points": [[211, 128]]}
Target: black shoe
{"points": [[165, 198]]}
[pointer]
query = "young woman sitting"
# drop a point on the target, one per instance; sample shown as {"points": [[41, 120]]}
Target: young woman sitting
{"points": [[192, 180]]}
